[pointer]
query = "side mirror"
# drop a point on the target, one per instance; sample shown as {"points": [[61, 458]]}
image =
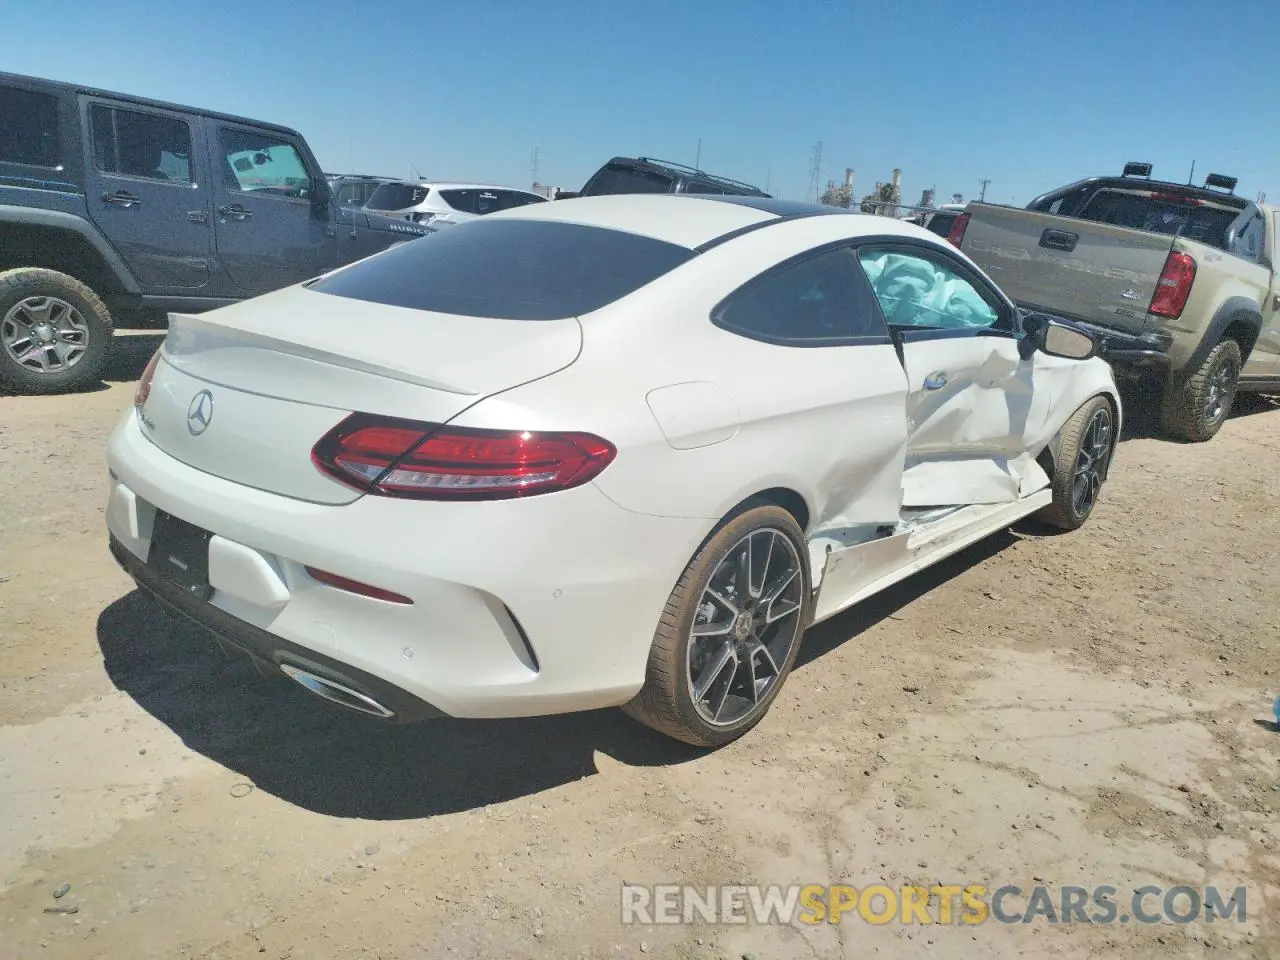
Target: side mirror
{"points": [[1057, 339]]}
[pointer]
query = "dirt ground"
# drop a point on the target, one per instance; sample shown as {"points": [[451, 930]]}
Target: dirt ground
{"points": [[1088, 709]]}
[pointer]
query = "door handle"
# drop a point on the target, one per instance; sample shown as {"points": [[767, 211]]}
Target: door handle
{"points": [[122, 198], [236, 212], [1059, 240], [936, 380], [197, 216]]}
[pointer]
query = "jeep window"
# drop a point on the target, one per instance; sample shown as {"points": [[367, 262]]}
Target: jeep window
{"points": [[513, 269], [625, 178], [262, 163], [1170, 215], [349, 194], [397, 196], [134, 144], [29, 128]]}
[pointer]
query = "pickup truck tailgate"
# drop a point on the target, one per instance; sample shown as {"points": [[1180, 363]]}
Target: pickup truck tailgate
{"points": [[1088, 271]]}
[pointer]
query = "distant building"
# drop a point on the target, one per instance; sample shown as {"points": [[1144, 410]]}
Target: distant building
{"points": [[543, 190]]}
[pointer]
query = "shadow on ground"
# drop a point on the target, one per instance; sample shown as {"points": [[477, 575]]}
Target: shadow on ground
{"points": [[341, 763]]}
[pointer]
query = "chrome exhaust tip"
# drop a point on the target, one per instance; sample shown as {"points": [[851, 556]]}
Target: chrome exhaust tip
{"points": [[336, 692]]}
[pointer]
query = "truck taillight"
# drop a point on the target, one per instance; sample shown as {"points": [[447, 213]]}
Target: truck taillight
{"points": [[956, 235], [1174, 286], [428, 461], [144, 382]]}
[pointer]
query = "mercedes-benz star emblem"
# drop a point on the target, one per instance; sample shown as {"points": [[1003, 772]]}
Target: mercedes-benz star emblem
{"points": [[200, 413]]}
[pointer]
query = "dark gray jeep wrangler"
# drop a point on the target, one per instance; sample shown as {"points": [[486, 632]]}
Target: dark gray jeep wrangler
{"points": [[115, 206]]}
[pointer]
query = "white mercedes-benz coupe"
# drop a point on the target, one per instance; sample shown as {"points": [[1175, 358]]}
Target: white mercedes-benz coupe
{"points": [[606, 451]]}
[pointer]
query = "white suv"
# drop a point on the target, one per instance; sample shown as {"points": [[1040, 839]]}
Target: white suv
{"points": [[444, 204]]}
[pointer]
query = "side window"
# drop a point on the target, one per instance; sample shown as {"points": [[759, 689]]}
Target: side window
{"points": [[464, 201], [1249, 243], [262, 163], [810, 302], [29, 128], [135, 144], [349, 195], [915, 290]]}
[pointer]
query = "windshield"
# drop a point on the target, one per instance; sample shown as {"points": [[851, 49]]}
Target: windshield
{"points": [[514, 269]]}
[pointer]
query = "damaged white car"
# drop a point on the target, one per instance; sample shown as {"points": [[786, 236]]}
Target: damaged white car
{"points": [[612, 451]]}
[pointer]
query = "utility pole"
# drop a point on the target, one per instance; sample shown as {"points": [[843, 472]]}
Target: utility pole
{"points": [[535, 164], [697, 161], [815, 172], [768, 179], [985, 184]]}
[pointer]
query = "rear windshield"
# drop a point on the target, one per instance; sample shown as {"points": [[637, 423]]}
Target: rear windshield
{"points": [[1160, 215], [397, 196], [513, 269], [624, 178], [481, 201]]}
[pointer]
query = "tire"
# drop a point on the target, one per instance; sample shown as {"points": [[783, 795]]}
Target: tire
{"points": [[1196, 403], [1084, 456], [39, 302], [667, 701]]}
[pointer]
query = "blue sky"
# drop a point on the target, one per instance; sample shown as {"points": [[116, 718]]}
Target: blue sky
{"points": [[1030, 95]]}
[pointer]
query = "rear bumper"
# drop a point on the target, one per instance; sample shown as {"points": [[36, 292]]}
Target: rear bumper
{"points": [[268, 651], [1146, 349], [520, 607]]}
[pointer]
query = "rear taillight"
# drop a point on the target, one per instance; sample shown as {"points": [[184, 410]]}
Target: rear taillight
{"points": [[1174, 286], [955, 235], [427, 461], [144, 382], [356, 586]]}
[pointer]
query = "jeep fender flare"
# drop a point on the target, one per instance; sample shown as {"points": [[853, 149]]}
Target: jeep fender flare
{"points": [[1232, 310], [72, 223]]}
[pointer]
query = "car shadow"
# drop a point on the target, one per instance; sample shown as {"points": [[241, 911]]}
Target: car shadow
{"points": [[340, 763], [849, 625], [1142, 411]]}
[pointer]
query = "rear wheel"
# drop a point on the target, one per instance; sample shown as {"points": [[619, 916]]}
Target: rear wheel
{"points": [[54, 332], [730, 632], [1088, 440], [1196, 403]]}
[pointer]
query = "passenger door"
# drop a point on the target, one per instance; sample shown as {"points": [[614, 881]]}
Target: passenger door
{"points": [[972, 400], [273, 222], [147, 191]]}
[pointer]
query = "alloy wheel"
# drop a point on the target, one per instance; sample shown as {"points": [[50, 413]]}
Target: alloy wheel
{"points": [[747, 622], [44, 334], [1091, 461], [1221, 388]]}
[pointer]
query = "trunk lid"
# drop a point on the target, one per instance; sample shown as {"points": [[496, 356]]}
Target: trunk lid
{"points": [[1095, 272], [245, 392]]}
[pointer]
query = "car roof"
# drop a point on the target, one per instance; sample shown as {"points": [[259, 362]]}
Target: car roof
{"points": [[76, 88], [697, 221]]}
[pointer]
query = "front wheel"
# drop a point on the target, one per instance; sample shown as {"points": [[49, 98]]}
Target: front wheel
{"points": [[730, 632], [1084, 455]]}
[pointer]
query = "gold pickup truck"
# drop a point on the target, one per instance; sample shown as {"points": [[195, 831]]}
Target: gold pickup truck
{"points": [[1177, 282]]}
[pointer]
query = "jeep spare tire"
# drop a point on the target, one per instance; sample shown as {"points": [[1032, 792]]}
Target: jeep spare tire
{"points": [[55, 333]]}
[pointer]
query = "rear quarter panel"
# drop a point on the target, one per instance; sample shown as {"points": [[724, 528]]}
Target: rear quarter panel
{"points": [[1219, 277]]}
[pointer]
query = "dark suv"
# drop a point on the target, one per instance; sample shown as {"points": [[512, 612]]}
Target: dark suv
{"points": [[115, 206], [646, 175]]}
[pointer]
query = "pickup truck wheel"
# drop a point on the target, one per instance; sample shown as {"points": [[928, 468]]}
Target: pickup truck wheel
{"points": [[730, 632], [1084, 455], [1196, 404], [54, 332]]}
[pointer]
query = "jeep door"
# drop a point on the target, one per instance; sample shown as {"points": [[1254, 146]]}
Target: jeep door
{"points": [[147, 189], [273, 224]]}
